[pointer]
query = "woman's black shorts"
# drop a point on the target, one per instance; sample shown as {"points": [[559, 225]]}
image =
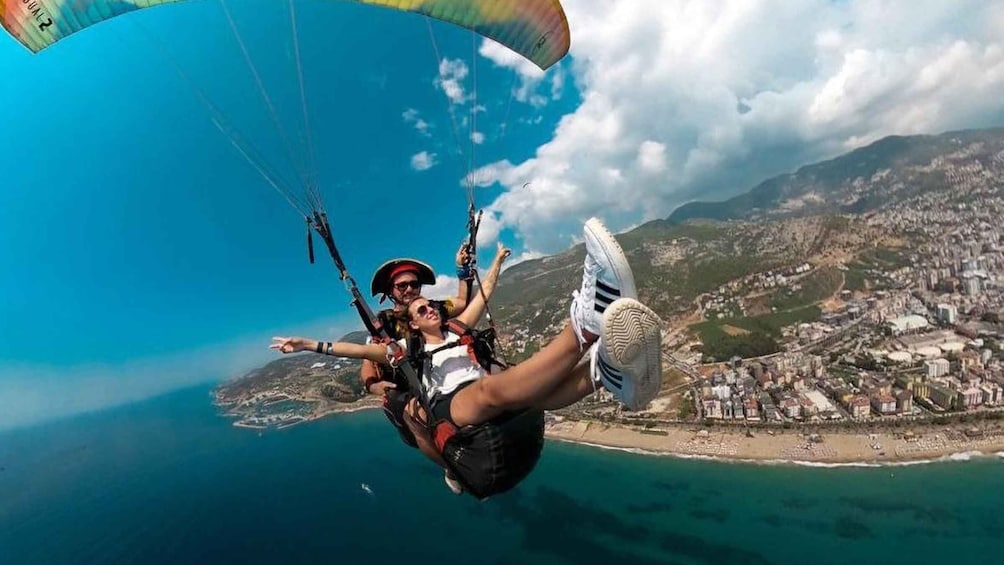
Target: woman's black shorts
{"points": [[492, 457]]}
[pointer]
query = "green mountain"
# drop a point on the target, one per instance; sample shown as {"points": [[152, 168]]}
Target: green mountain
{"points": [[865, 179], [817, 214], [673, 264]]}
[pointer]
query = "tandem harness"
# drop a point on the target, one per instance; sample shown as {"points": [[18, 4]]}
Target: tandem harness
{"points": [[468, 452], [480, 345], [491, 457]]}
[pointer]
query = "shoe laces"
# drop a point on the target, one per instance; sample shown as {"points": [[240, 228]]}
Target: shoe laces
{"points": [[590, 270]]}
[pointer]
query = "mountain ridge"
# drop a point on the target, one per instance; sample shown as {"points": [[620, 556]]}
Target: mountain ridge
{"points": [[830, 178]]}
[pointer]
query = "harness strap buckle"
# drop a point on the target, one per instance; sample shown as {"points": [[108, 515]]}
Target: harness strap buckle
{"points": [[394, 354]]}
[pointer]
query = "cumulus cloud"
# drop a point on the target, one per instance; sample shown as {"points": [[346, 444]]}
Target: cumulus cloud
{"points": [[652, 157], [452, 73], [530, 76], [423, 161], [524, 256], [445, 287], [505, 57], [411, 117], [687, 99]]}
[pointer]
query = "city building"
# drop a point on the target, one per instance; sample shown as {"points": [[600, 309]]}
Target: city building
{"points": [[936, 368], [992, 393], [712, 408], [907, 324], [904, 401], [943, 396], [972, 397], [884, 404], [947, 313], [859, 407]]}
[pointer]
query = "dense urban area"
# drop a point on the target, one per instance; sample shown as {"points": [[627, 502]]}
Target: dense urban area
{"points": [[906, 332]]}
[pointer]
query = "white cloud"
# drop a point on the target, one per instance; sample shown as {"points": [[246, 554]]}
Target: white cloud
{"points": [[411, 117], [477, 137], [423, 161], [688, 99], [445, 287], [452, 73], [557, 83], [507, 58], [530, 76], [652, 157], [522, 257]]}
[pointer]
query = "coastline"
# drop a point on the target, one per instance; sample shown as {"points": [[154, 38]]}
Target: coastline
{"points": [[789, 447], [785, 447], [323, 410], [344, 409]]}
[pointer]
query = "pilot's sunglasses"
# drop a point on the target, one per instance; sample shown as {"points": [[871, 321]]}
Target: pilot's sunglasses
{"points": [[402, 286]]}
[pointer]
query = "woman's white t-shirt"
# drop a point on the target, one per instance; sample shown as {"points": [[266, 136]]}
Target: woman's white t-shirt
{"points": [[451, 367]]}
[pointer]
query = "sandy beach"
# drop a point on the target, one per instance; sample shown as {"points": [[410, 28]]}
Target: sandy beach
{"points": [[784, 446], [926, 443], [345, 408]]}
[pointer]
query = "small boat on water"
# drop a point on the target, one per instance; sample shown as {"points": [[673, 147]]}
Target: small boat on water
{"points": [[366, 488]]}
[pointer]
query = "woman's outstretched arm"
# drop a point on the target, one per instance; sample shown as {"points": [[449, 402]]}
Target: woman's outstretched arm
{"points": [[372, 351]]}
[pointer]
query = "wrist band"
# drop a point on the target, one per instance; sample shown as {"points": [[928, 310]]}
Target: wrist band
{"points": [[328, 349], [320, 347], [464, 272]]}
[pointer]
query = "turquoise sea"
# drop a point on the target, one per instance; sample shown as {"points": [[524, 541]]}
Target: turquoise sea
{"points": [[168, 481]]}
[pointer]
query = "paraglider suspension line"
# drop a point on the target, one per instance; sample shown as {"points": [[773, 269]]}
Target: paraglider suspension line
{"points": [[373, 324]]}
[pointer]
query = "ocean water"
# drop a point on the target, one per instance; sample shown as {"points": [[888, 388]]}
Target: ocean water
{"points": [[168, 481]]}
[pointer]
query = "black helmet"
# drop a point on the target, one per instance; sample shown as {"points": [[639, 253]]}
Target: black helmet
{"points": [[386, 273]]}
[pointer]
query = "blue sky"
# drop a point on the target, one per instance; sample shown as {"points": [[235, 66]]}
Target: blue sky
{"points": [[140, 252], [137, 239]]}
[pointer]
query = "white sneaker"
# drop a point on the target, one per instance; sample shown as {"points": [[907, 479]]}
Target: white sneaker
{"points": [[627, 360], [454, 484], [606, 276]]}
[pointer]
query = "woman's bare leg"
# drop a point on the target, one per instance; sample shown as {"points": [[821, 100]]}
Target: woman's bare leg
{"points": [[606, 277], [571, 390], [551, 379], [522, 386]]}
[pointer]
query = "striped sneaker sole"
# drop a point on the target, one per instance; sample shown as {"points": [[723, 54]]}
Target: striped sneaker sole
{"points": [[632, 341], [613, 255]]}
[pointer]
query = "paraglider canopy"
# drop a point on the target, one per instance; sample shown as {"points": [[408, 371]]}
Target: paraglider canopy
{"points": [[536, 29]]}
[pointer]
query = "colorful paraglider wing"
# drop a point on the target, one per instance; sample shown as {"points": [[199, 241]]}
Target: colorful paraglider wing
{"points": [[536, 29], [38, 24]]}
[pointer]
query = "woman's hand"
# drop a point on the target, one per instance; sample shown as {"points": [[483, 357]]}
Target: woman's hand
{"points": [[290, 344], [503, 253]]}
